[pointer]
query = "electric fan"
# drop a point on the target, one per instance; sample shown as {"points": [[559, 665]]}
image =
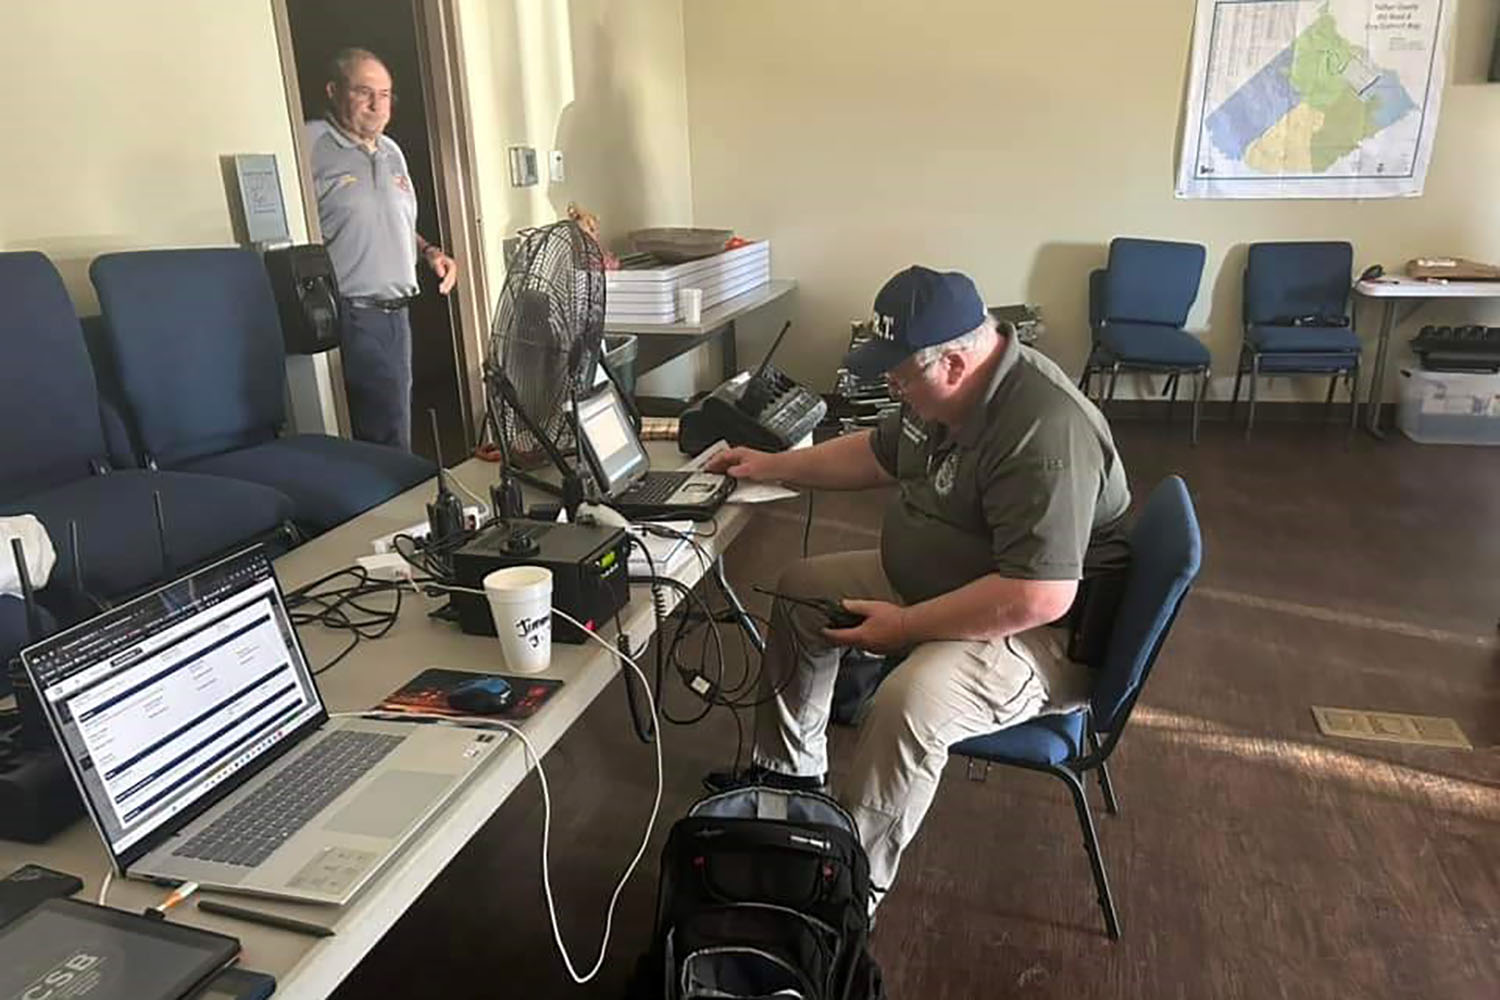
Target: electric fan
{"points": [[544, 348]]}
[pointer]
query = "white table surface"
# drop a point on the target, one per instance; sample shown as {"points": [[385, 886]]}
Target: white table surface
{"points": [[310, 967], [1401, 287]]}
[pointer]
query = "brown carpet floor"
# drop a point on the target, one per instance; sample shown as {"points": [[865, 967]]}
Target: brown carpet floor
{"points": [[1252, 858]]}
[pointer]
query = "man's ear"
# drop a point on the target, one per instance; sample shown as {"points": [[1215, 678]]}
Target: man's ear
{"points": [[330, 89], [954, 366]]}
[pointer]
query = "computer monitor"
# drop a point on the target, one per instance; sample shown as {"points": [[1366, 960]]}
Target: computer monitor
{"points": [[160, 701]]}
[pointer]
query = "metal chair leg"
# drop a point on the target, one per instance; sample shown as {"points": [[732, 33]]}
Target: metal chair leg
{"points": [[1234, 399], [1114, 377], [1198, 400], [1353, 402], [1091, 845], [1171, 384], [1111, 804], [1254, 379], [1333, 384]]}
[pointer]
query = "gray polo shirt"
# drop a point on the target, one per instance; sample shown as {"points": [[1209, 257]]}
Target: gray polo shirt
{"points": [[367, 209], [1030, 487]]}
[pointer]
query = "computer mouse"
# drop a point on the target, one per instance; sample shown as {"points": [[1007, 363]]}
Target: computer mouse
{"points": [[481, 696]]}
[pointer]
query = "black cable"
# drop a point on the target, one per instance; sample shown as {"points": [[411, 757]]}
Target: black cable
{"points": [[342, 608], [807, 524], [643, 730]]}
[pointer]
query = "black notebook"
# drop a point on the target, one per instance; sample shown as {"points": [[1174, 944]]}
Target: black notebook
{"points": [[64, 949]]}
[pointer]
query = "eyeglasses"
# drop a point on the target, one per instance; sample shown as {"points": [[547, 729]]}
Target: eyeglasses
{"points": [[369, 95], [901, 385]]}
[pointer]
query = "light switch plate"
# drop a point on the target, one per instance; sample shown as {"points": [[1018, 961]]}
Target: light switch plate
{"points": [[556, 168]]}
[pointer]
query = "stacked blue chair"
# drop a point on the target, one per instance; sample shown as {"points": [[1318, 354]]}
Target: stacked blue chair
{"points": [[1166, 552], [1296, 314], [55, 457], [1138, 306], [197, 345]]}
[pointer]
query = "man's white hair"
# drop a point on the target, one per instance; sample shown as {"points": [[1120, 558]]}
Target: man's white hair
{"points": [[962, 344]]}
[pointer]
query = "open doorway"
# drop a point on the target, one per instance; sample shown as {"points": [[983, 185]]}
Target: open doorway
{"points": [[318, 29]]}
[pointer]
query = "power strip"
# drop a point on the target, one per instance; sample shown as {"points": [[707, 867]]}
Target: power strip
{"points": [[473, 517], [386, 566]]}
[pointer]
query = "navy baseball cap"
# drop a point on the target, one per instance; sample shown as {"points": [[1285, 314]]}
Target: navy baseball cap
{"points": [[917, 308]]}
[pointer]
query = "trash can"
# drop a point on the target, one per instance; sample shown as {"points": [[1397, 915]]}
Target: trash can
{"points": [[620, 350]]}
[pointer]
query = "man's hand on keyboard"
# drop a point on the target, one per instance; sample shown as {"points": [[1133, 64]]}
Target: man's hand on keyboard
{"points": [[747, 464]]}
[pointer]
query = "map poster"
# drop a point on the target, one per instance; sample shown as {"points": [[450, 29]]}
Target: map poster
{"points": [[1313, 98]]}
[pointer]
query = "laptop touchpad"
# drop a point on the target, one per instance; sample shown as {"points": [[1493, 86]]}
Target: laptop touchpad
{"points": [[391, 804]]}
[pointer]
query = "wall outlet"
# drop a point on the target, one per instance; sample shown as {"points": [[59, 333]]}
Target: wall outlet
{"points": [[556, 168]]}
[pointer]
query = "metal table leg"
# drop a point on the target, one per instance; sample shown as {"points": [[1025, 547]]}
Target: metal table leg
{"points": [[729, 346], [1377, 377], [741, 615]]}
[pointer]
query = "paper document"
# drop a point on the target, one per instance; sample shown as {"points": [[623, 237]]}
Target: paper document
{"points": [[745, 492]]}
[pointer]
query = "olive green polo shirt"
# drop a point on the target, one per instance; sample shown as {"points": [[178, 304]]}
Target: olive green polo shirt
{"points": [[1030, 487]]}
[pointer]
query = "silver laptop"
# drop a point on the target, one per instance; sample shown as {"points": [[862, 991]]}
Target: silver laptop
{"points": [[191, 722]]}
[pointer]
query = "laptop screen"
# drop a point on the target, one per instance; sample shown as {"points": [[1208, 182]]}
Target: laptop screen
{"points": [[614, 450], [162, 700]]}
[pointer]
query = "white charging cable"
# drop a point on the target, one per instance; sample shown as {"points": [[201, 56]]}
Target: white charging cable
{"points": [[541, 775]]}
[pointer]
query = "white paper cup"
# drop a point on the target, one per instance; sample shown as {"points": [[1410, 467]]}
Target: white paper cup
{"points": [[521, 603], [690, 304]]}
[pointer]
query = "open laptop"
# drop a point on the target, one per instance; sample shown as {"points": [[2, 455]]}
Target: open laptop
{"points": [[618, 459], [192, 725]]}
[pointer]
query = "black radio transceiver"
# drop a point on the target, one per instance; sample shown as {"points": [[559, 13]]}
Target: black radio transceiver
{"points": [[589, 565]]}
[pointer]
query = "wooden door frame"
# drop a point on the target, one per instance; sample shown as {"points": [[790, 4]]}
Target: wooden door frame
{"points": [[440, 50]]}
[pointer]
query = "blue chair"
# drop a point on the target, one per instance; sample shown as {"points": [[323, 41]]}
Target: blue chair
{"points": [[1296, 316], [55, 457], [196, 342], [1138, 305], [1166, 551]]}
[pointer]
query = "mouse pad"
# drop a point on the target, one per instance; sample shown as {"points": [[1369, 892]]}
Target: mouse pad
{"points": [[427, 694]]}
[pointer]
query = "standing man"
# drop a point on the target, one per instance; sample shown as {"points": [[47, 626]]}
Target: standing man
{"points": [[367, 209], [1010, 493]]}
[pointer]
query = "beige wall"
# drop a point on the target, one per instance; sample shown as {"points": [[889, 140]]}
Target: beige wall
{"points": [[1012, 140], [602, 81], [115, 116]]}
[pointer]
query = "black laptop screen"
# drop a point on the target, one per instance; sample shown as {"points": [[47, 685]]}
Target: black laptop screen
{"points": [[161, 701]]}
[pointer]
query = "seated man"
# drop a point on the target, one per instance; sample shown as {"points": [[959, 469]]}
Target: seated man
{"points": [[1010, 492]]}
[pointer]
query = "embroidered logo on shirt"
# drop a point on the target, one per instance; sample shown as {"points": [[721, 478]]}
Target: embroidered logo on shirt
{"points": [[947, 474], [403, 183], [344, 180]]}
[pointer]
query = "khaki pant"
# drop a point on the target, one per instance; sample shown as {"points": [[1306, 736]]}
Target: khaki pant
{"points": [[943, 692]]}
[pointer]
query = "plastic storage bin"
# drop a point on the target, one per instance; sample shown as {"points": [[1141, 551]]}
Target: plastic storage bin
{"points": [[1449, 407], [620, 350]]}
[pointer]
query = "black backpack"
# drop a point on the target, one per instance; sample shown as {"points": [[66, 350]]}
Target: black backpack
{"points": [[764, 893]]}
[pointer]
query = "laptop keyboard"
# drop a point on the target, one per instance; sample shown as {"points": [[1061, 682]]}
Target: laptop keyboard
{"points": [[247, 834], [656, 487]]}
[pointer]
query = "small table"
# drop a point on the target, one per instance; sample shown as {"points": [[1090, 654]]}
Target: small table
{"points": [[661, 342], [1418, 292]]}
